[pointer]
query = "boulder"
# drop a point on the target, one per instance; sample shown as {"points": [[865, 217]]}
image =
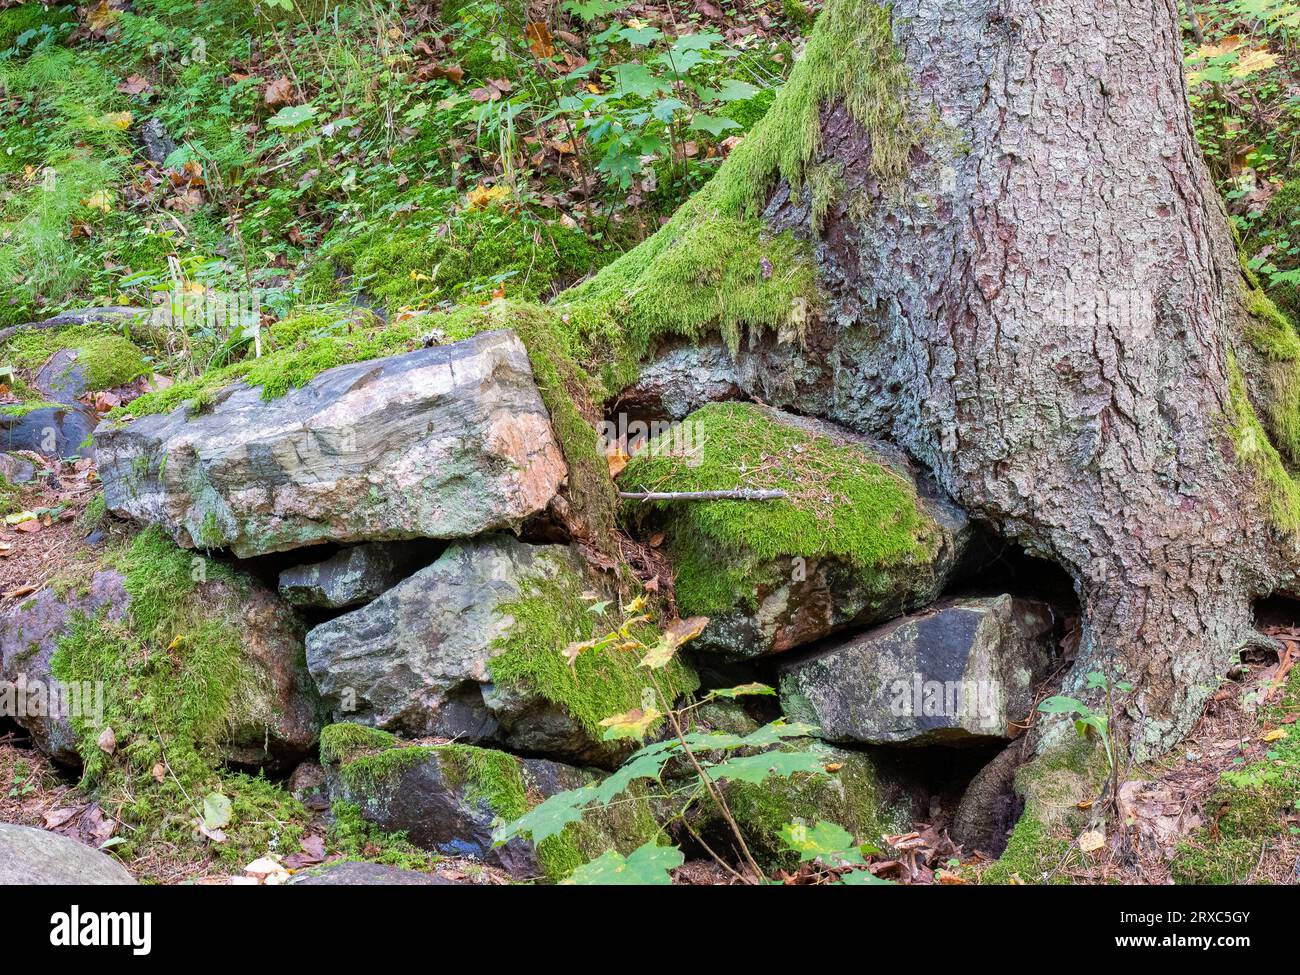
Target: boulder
{"points": [[352, 577], [961, 671], [16, 470], [275, 722], [470, 648], [35, 857], [445, 442], [51, 431], [359, 873], [29, 637], [449, 798], [860, 537]]}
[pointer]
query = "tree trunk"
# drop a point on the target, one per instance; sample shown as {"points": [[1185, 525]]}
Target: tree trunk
{"points": [[1046, 309]]}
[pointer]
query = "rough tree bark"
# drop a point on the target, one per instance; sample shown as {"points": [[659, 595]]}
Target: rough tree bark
{"points": [[1046, 314]]}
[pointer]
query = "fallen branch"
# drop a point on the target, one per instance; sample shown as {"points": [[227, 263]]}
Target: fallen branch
{"points": [[743, 494]]}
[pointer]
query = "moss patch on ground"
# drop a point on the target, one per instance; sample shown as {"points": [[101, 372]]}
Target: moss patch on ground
{"points": [[174, 684], [1256, 806], [841, 503], [549, 615], [1052, 786]]}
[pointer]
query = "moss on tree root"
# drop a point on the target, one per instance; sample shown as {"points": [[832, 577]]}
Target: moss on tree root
{"points": [[1052, 786]]}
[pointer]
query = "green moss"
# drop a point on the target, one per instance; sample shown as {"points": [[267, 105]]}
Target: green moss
{"points": [[341, 742], [104, 359], [94, 515], [474, 254], [849, 797], [175, 683], [1254, 804], [840, 504], [38, 17], [1279, 491], [495, 780], [1033, 852], [850, 57], [1052, 786], [11, 497], [351, 835], [548, 616]]}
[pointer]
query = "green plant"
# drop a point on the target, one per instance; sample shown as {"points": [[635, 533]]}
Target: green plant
{"points": [[680, 771]]}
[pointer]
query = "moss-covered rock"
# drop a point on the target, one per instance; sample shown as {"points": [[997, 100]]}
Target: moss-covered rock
{"points": [[853, 794], [854, 541], [193, 666], [449, 798], [145, 634], [472, 648]]}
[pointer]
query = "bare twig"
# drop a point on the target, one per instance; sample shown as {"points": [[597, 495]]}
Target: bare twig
{"points": [[741, 494]]}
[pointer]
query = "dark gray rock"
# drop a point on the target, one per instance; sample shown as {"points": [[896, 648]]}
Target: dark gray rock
{"points": [[959, 671], [416, 660], [682, 380], [61, 379], [351, 577], [358, 873], [155, 141], [445, 442], [51, 431], [30, 857]]}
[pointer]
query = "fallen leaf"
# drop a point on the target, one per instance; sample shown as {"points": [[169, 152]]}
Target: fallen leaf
{"points": [[1092, 840], [278, 92], [539, 40], [134, 85]]}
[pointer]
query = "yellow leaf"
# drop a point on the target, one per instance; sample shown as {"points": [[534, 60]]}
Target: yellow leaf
{"points": [[1218, 48], [100, 200], [631, 724], [1277, 734], [1092, 841], [484, 196], [119, 120], [1256, 59]]}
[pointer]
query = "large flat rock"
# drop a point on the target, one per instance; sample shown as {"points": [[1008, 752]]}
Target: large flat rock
{"points": [[446, 442], [32, 857], [961, 671]]}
